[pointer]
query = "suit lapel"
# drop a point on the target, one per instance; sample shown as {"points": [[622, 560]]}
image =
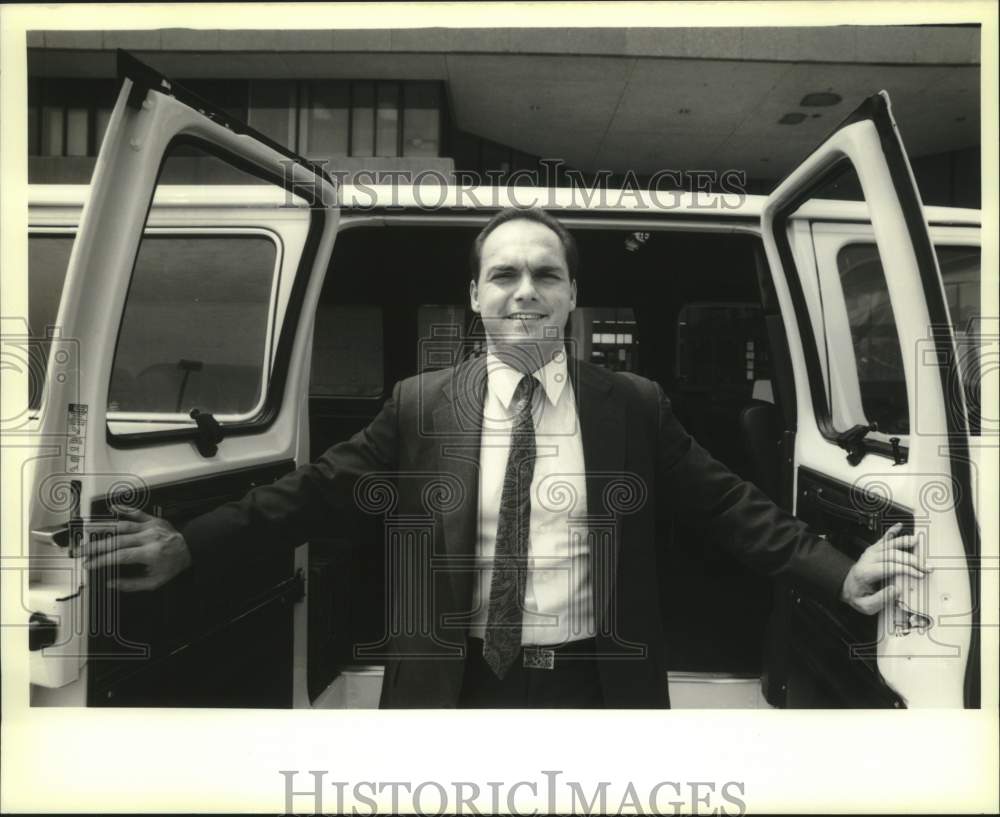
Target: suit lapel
{"points": [[458, 422]]}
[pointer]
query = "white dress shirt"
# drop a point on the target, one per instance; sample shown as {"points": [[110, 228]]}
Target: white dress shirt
{"points": [[558, 600]]}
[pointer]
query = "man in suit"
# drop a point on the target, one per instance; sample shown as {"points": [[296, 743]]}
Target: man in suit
{"points": [[529, 482]]}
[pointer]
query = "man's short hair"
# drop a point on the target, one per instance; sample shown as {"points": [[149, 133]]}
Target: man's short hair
{"points": [[535, 214]]}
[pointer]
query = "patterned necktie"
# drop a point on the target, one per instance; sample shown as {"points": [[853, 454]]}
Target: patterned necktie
{"points": [[510, 558]]}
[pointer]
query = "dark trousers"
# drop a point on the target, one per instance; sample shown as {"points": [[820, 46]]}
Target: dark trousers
{"points": [[573, 682]]}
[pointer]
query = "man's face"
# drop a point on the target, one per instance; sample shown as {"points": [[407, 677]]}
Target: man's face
{"points": [[524, 294]]}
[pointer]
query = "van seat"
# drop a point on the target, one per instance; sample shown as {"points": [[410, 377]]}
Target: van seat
{"points": [[760, 432]]}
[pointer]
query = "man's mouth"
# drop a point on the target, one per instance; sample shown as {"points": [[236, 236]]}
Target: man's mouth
{"points": [[526, 316]]}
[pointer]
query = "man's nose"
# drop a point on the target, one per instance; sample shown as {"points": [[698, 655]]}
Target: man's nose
{"points": [[526, 288]]}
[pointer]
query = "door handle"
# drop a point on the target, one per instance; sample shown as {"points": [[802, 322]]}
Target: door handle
{"points": [[42, 632], [52, 536]]}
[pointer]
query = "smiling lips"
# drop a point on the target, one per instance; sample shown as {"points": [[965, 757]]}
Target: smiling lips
{"points": [[526, 316]]}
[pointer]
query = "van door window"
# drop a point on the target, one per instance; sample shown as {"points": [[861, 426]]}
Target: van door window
{"points": [[186, 307], [48, 257], [880, 367], [858, 374], [961, 269], [195, 328], [877, 355]]}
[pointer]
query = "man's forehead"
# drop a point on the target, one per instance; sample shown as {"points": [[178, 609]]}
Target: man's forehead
{"points": [[521, 234]]}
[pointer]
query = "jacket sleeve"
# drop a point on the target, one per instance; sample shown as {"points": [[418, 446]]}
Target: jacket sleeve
{"points": [[296, 507], [738, 516]]}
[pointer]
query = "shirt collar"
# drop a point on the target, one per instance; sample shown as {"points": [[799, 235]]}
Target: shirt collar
{"points": [[503, 379]]}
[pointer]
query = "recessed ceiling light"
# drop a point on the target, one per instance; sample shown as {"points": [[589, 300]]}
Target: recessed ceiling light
{"points": [[792, 118], [820, 99]]}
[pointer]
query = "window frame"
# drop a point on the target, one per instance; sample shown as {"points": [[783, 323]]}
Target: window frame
{"points": [[791, 230], [291, 315], [174, 419], [829, 241], [171, 420], [941, 235]]}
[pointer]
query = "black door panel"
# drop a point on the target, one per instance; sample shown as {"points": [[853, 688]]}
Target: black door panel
{"points": [[177, 646], [824, 655]]}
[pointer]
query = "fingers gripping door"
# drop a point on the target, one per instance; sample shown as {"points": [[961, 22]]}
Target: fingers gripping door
{"points": [[876, 446], [100, 454]]}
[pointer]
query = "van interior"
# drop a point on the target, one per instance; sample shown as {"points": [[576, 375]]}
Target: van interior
{"points": [[682, 308]]}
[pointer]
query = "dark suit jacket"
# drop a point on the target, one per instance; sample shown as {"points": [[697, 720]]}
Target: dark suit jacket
{"points": [[417, 465]]}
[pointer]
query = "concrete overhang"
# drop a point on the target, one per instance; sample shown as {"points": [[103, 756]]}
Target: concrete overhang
{"points": [[605, 99]]}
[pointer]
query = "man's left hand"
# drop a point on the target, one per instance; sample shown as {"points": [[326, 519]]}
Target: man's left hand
{"points": [[869, 586]]}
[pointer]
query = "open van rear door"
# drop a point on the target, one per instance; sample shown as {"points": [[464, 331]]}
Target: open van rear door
{"points": [[130, 420], [881, 433]]}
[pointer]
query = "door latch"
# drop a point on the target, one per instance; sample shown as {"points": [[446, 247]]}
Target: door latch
{"points": [[209, 432], [55, 627]]}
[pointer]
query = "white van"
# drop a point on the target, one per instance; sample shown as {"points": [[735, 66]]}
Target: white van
{"points": [[210, 338]]}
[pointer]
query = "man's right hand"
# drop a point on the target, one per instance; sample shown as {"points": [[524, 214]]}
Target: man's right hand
{"points": [[870, 585], [151, 548]]}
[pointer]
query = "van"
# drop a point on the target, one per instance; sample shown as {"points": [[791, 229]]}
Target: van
{"points": [[186, 343]]}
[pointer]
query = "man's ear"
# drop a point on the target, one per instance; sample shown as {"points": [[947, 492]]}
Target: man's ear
{"points": [[474, 296], [572, 297]]}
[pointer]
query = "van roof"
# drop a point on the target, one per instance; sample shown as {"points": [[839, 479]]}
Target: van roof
{"points": [[434, 197]]}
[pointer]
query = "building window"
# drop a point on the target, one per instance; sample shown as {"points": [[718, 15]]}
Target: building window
{"points": [[324, 119], [271, 109], [68, 117], [362, 122], [366, 119], [320, 119], [422, 119], [231, 95], [387, 131]]}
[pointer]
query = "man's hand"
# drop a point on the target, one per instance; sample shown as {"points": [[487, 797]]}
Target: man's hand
{"points": [[868, 586], [148, 552]]}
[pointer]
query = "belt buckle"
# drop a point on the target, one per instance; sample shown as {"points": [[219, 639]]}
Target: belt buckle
{"points": [[539, 658]]}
